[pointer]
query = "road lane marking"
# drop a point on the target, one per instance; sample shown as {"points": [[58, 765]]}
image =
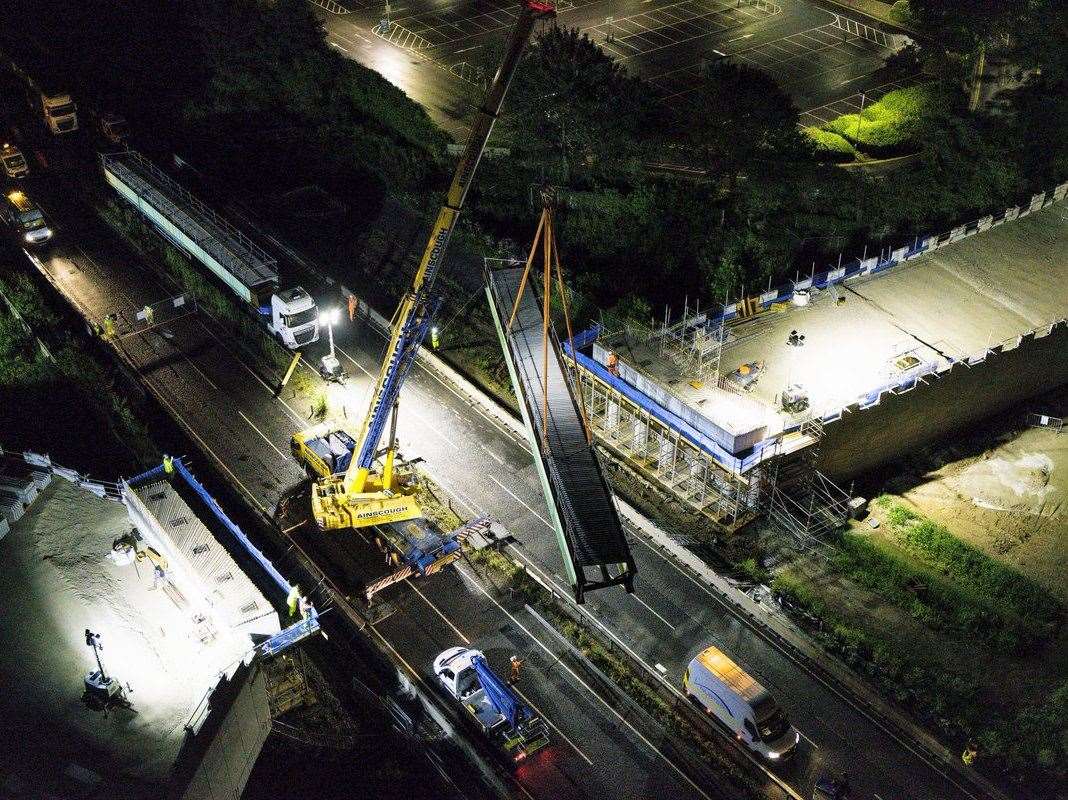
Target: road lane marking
{"points": [[158, 281], [408, 408], [529, 702], [552, 725], [437, 611], [653, 612], [604, 702], [339, 47], [816, 746], [472, 47], [518, 500], [261, 433], [492, 455]]}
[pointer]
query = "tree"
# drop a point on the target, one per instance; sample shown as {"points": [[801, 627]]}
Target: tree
{"points": [[740, 116]]}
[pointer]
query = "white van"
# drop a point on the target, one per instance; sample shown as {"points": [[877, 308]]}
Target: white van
{"points": [[728, 693]]}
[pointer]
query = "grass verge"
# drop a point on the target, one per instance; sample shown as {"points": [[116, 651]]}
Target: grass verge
{"points": [[1034, 738], [60, 404]]}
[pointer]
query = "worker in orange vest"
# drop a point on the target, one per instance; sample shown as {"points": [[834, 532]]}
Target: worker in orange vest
{"points": [[516, 664], [353, 305], [612, 362]]}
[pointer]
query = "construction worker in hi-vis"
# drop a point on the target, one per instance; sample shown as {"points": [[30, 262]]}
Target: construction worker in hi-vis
{"points": [[168, 465]]}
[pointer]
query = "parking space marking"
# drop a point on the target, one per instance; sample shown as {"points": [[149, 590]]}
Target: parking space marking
{"points": [[821, 115], [799, 55], [453, 23], [674, 24]]}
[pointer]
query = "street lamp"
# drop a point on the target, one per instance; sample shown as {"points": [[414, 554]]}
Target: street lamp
{"points": [[329, 366]]}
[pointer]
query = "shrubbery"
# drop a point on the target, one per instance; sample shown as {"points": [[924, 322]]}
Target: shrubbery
{"points": [[830, 146], [893, 124]]}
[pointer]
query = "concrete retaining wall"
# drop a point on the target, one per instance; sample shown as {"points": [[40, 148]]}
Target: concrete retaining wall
{"points": [[960, 397]]}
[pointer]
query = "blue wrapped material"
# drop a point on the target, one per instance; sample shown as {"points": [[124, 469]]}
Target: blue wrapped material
{"points": [[500, 694]]}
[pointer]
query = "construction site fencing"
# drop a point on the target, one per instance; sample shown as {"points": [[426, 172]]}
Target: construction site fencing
{"points": [[40, 464], [592, 372], [891, 257]]}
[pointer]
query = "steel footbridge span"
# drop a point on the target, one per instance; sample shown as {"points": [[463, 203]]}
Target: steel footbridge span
{"points": [[581, 509]]}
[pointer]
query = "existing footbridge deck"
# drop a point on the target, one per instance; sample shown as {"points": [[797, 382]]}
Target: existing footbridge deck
{"points": [[589, 532]]}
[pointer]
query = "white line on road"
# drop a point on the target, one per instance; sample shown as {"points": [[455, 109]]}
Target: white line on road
{"points": [[466, 49], [653, 612], [518, 500], [408, 409], [339, 47], [552, 725], [437, 611], [584, 685], [807, 739], [261, 433], [491, 454], [739, 38]]}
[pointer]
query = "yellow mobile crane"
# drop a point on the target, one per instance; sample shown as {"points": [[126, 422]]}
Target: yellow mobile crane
{"points": [[360, 495]]}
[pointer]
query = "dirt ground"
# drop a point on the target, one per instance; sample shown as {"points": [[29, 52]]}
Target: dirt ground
{"points": [[1006, 493]]}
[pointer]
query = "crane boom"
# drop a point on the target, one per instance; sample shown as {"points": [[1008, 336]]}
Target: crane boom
{"points": [[359, 497]]}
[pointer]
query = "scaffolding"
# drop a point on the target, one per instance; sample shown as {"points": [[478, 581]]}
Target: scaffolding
{"points": [[802, 502], [692, 342], [664, 457]]}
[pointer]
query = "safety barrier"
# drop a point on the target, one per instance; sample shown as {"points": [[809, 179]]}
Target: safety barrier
{"points": [[870, 265], [39, 462]]}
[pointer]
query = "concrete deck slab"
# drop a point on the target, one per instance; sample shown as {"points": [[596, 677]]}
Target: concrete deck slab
{"points": [[943, 307], [56, 581]]}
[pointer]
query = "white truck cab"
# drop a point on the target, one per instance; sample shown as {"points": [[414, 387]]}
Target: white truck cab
{"points": [[294, 318], [14, 162], [518, 736], [734, 698]]}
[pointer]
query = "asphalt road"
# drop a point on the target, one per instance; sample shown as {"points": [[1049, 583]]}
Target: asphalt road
{"points": [[230, 410], [818, 56], [225, 405]]}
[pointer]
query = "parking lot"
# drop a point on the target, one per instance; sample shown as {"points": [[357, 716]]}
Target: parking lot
{"points": [[795, 60], [674, 24], [461, 21], [854, 102]]}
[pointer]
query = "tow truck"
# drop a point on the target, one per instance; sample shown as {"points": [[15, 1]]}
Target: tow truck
{"points": [[492, 705], [360, 493]]}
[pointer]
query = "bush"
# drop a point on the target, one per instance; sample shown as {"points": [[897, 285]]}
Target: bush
{"points": [[891, 125], [900, 12], [830, 146]]}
